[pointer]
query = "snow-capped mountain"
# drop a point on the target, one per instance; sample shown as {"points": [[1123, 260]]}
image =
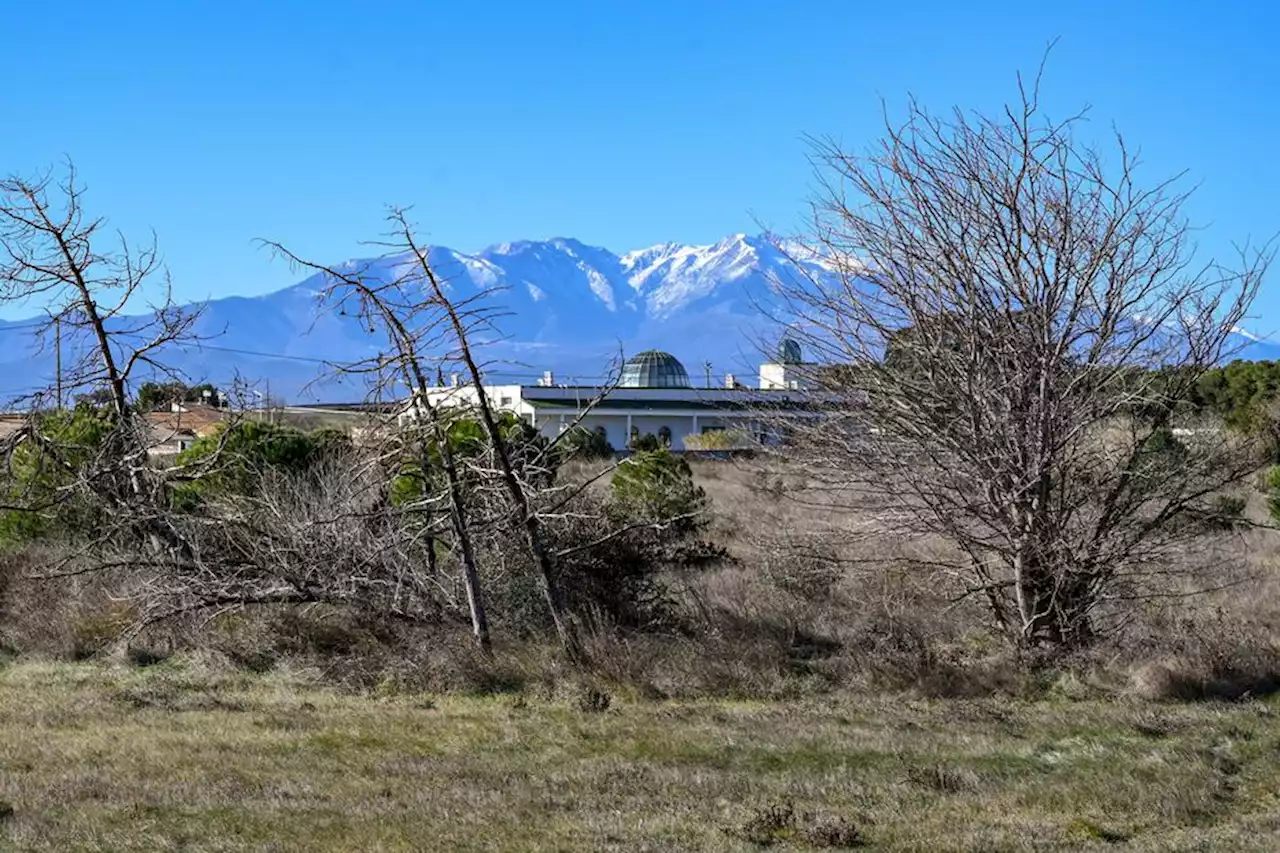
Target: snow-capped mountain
{"points": [[562, 306]]}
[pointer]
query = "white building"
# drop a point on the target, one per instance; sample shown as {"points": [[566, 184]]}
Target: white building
{"points": [[653, 397]]}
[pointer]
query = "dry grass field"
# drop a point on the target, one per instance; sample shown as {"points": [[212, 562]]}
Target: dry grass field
{"points": [[837, 716], [179, 756]]}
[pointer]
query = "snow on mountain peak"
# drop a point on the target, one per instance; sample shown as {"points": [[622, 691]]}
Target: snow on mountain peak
{"points": [[671, 275], [564, 305]]}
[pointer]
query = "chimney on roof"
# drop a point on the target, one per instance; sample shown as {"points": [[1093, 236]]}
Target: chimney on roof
{"points": [[548, 379], [730, 381], [455, 379]]}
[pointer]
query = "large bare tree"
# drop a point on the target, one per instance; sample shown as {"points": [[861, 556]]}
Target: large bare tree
{"points": [[1018, 317], [428, 326], [109, 303], [417, 330]]}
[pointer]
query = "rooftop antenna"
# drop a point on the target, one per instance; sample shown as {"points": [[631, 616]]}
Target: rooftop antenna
{"points": [[707, 366]]}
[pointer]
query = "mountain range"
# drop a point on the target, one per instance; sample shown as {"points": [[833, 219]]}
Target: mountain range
{"points": [[564, 306]]}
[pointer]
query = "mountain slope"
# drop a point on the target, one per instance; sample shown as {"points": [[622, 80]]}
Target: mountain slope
{"points": [[565, 306]]}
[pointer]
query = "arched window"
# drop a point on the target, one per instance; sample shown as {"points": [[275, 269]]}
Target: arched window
{"points": [[664, 435]]}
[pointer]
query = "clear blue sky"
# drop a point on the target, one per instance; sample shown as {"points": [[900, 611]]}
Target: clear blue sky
{"points": [[619, 123]]}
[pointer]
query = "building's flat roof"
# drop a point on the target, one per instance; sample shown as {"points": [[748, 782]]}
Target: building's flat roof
{"points": [[347, 408], [610, 403], [643, 405], [715, 389]]}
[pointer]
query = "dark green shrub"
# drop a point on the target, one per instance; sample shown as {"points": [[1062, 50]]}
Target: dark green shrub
{"points": [[582, 443], [238, 458], [1273, 491], [40, 474], [423, 474], [1228, 510], [657, 486], [1163, 444], [646, 443], [154, 396]]}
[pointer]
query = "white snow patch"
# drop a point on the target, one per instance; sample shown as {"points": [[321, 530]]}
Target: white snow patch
{"points": [[1248, 335], [599, 286], [485, 274], [675, 276]]}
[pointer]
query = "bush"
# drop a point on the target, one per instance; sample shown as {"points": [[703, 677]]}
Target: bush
{"points": [[582, 443], [93, 631], [422, 472], [647, 443], [1228, 510], [1214, 656], [154, 396], [1273, 491], [37, 480], [721, 439], [615, 583], [657, 486], [1163, 445], [241, 456]]}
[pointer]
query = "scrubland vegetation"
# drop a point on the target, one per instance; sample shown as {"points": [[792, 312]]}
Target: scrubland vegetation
{"points": [[761, 699], [1013, 584]]}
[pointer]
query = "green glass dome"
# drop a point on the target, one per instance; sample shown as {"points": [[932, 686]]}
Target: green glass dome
{"points": [[654, 369], [789, 352]]}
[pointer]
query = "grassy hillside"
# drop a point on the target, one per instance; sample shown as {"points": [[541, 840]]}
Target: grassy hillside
{"points": [[179, 756]]}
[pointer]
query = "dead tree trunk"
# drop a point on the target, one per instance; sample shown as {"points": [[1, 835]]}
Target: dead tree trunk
{"points": [[378, 307], [527, 518]]}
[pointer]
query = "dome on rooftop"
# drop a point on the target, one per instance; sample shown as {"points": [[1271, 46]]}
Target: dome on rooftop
{"points": [[654, 369]]}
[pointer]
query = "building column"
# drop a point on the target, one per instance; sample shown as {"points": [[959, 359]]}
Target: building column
{"points": [[627, 439], [695, 425]]}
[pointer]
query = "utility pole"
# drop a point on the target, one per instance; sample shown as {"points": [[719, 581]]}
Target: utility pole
{"points": [[57, 357]]}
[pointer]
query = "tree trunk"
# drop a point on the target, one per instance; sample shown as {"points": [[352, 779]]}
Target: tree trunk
{"points": [[531, 524]]}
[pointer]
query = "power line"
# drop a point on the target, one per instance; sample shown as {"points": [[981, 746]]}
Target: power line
{"points": [[257, 353], [526, 374]]}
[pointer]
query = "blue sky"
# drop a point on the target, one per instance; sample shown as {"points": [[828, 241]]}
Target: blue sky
{"points": [[619, 123]]}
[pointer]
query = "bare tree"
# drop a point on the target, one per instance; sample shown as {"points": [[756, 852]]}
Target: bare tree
{"points": [[1017, 320], [521, 505], [413, 328], [336, 534], [428, 325], [320, 536], [54, 257]]}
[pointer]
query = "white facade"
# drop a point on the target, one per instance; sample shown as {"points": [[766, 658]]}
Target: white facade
{"points": [[654, 398], [671, 414], [784, 377]]}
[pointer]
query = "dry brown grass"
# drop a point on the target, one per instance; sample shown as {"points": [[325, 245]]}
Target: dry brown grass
{"points": [[181, 756], [771, 623], [800, 706], [900, 629]]}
